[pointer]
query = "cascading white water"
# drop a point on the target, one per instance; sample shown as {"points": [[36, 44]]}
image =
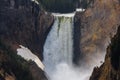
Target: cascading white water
{"points": [[58, 52], [59, 43]]}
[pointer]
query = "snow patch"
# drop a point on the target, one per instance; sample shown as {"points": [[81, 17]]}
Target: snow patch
{"points": [[35, 1], [80, 10], [28, 55]]}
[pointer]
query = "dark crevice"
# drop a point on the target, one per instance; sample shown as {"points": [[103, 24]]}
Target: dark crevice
{"points": [[76, 41], [115, 51]]}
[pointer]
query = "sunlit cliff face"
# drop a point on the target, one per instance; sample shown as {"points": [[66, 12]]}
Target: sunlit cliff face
{"points": [[99, 25]]}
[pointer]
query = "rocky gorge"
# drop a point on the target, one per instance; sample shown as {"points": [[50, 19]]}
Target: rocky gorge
{"points": [[110, 69], [98, 24], [25, 22]]}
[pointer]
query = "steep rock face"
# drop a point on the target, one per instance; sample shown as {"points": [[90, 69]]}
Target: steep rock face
{"points": [[22, 22], [110, 69], [85, 3], [98, 24], [76, 38], [14, 67], [36, 72]]}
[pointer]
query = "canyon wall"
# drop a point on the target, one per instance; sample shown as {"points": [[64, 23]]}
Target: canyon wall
{"points": [[97, 25], [110, 69], [22, 22]]}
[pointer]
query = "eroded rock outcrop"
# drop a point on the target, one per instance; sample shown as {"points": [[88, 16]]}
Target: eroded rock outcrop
{"points": [[110, 69], [22, 22], [14, 67], [98, 23]]}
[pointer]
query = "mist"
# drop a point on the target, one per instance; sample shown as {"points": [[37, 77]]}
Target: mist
{"points": [[65, 71], [58, 53]]}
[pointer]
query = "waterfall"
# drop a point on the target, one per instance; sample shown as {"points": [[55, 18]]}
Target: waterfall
{"points": [[59, 43], [58, 51]]}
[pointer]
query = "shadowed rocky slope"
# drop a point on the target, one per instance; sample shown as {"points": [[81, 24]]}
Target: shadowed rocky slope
{"points": [[97, 24], [22, 22], [110, 69], [14, 67]]}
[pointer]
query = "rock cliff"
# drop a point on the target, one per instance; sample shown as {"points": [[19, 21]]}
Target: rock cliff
{"points": [[14, 67], [110, 69], [97, 24], [22, 22]]}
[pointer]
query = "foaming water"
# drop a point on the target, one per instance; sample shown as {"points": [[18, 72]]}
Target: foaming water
{"points": [[64, 15], [64, 71], [59, 45], [58, 52]]}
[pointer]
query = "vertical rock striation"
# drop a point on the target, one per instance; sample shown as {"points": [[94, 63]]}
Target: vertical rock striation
{"points": [[22, 22], [110, 69], [98, 23]]}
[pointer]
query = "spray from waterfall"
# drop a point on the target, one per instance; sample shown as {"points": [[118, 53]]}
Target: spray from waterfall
{"points": [[59, 45], [58, 51]]}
